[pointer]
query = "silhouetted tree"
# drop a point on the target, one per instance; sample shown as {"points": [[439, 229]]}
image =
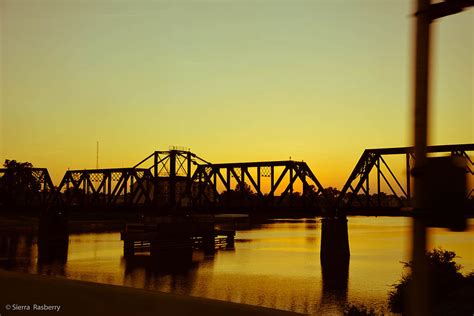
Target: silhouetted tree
{"points": [[74, 195], [330, 195], [18, 183], [244, 189], [452, 293], [360, 310]]}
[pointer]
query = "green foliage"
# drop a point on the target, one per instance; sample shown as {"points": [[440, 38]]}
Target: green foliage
{"points": [[451, 292]]}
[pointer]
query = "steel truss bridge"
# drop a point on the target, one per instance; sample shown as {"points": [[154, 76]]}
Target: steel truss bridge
{"points": [[106, 186], [356, 191], [37, 186], [222, 174], [179, 179]]}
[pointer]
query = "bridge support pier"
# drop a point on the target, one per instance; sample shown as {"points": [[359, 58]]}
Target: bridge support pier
{"points": [[53, 237], [334, 240], [334, 256]]}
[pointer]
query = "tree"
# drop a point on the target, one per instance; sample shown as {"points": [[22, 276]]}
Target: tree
{"points": [[452, 293], [330, 195], [244, 189], [18, 183]]}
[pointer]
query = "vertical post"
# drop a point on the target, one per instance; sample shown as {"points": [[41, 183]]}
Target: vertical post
{"points": [[272, 182], [291, 185], [242, 179], [408, 179], [109, 187], [155, 178], [228, 187], [419, 304], [104, 188], [258, 178], [189, 181], [189, 165], [155, 165], [378, 182], [172, 179], [86, 188]]}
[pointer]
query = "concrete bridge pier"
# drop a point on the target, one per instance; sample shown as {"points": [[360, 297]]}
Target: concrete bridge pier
{"points": [[334, 240], [335, 255], [53, 237]]}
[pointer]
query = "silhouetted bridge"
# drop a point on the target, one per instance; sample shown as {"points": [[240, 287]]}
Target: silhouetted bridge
{"points": [[356, 191], [173, 180]]}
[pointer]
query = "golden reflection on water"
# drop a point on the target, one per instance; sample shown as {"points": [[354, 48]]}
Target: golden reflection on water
{"points": [[275, 265]]}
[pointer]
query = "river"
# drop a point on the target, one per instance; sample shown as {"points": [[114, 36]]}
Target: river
{"points": [[275, 264]]}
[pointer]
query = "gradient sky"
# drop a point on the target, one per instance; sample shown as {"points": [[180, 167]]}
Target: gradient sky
{"points": [[319, 81]]}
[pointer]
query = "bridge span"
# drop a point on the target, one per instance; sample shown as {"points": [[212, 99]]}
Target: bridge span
{"points": [[177, 179], [356, 192]]}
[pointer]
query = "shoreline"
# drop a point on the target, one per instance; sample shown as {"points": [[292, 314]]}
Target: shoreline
{"points": [[74, 297]]}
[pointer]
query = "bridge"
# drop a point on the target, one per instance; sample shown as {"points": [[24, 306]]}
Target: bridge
{"points": [[210, 176], [178, 180], [373, 161], [25, 187]]}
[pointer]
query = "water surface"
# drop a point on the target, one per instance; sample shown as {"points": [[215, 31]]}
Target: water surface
{"points": [[274, 265]]}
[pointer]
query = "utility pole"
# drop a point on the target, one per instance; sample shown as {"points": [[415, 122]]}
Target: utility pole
{"points": [[419, 298], [425, 14]]}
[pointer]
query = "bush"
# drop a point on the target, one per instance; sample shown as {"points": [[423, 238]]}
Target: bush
{"points": [[360, 310], [451, 292]]}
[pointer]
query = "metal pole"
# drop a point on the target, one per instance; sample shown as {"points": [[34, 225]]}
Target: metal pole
{"points": [[419, 297], [378, 182], [408, 179]]}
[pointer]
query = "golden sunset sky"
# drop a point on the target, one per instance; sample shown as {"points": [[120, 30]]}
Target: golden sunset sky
{"points": [[233, 80]]}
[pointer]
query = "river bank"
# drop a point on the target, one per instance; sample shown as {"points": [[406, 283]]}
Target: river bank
{"points": [[27, 292]]}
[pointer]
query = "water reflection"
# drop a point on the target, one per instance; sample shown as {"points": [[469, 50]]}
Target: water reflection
{"points": [[275, 265], [155, 265], [149, 272], [52, 255], [335, 277], [17, 252]]}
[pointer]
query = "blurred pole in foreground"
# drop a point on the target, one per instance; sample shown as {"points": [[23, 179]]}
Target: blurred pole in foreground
{"points": [[445, 175], [419, 297]]}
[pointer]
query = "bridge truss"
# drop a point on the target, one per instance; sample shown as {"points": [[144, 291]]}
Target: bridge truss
{"points": [[356, 191], [100, 187], [25, 186], [210, 177]]}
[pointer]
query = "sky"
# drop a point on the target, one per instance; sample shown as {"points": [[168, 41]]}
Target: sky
{"points": [[318, 81]]}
